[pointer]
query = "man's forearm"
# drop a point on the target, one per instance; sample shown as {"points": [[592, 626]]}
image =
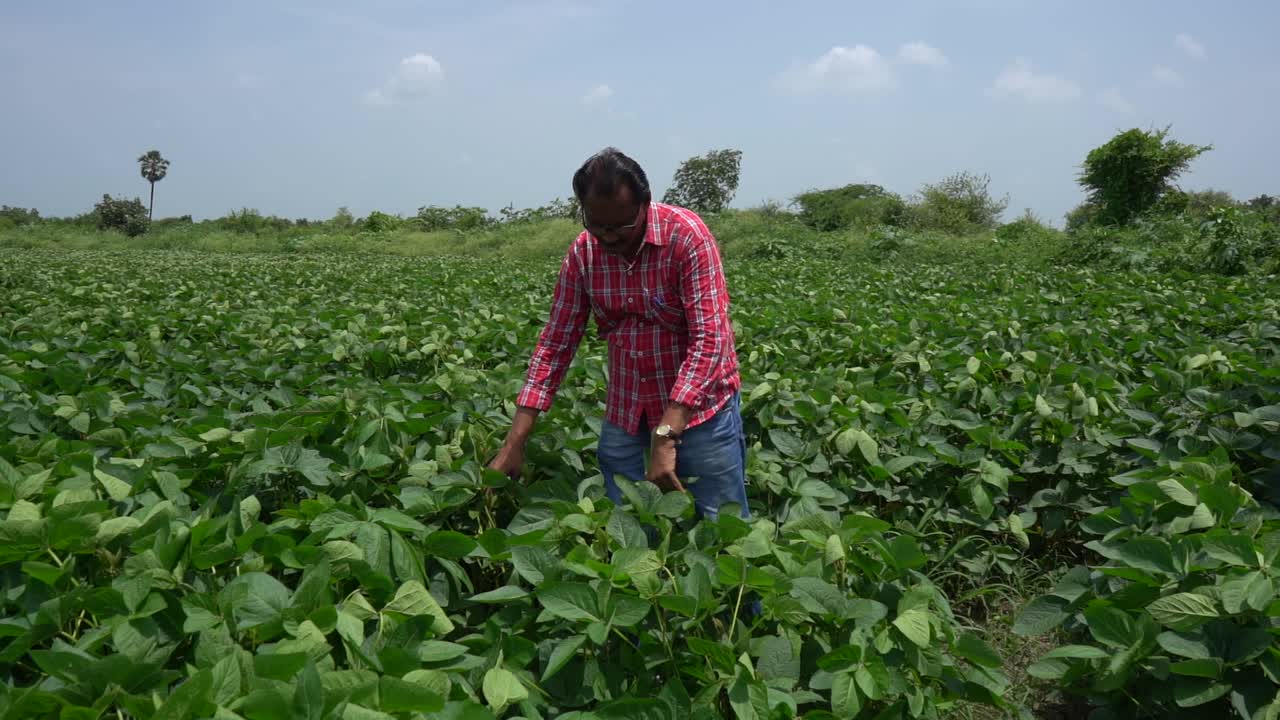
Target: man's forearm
{"points": [[677, 415], [522, 425]]}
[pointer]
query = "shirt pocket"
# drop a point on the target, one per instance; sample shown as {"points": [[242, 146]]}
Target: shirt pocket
{"points": [[663, 306]]}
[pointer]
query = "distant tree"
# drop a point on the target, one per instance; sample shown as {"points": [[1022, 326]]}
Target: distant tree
{"points": [[960, 203], [127, 216], [154, 168], [1128, 175], [859, 205], [706, 184]]}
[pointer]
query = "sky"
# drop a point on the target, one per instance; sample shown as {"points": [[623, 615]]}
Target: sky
{"points": [[298, 107]]}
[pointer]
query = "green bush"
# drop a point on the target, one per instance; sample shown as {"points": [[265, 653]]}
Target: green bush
{"points": [[431, 218], [127, 216], [851, 206], [12, 217], [248, 221], [959, 204], [1128, 176], [378, 222], [1235, 240]]}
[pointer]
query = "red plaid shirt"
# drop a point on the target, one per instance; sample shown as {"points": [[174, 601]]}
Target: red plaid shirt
{"points": [[664, 315]]}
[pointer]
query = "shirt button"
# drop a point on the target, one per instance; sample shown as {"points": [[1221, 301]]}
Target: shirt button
{"points": [[629, 300]]}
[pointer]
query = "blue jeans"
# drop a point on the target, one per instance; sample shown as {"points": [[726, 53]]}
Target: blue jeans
{"points": [[713, 455]]}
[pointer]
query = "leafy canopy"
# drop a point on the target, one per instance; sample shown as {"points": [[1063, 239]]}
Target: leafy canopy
{"points": [[706, 184], [1129, 175]]}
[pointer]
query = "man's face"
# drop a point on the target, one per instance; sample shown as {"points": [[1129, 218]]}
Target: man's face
{"points": [[617, 222]]}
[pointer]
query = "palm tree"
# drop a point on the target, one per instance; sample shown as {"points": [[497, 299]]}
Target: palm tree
{"points": [[154, 168]]}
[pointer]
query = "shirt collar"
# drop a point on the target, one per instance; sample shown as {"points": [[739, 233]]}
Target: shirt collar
{"points": [[653, 232]]}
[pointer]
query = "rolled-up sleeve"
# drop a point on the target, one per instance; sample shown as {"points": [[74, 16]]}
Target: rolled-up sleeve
{"points": [[559, 339]]}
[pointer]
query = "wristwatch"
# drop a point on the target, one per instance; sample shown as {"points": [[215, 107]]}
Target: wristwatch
{"points": [[666, 431]]}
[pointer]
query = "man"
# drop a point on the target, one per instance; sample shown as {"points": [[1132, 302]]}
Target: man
{"points": [[650, 273]]}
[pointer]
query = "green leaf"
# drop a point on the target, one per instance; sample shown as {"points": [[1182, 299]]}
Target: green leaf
{"points": [[400, 696], [1183, 611], [786, 443], [1078, 652], [845, 702], [448, 544], [1204, 667], [255, 599], [1195, 692], [1042, 407], [1183, 645], [534, 564], [1111, 626], [561, 656], [501, 688], [914, 624], [183, 702], [906, 553], [902, 462], [504, 594], [749, 700], [778, 660], [626, 530], [972, 648], [1230, 548], [433, 651], [413, 600], [1178, 492], [1251, 590], [308, 694], [116, 488], [1148, 553], [571, 601], [1041, 616], [215, 435], [842, 658]]}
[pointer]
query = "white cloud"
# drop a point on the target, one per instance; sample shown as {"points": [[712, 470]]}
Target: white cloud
{"points": [[1111, 98], [598, 94], [858, 69], [918, 53], [1022, 80], [1166, 76], [417, 77], [1190, 46]]}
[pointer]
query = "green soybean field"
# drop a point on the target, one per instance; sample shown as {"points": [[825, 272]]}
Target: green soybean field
{"points": [[252, 485]]}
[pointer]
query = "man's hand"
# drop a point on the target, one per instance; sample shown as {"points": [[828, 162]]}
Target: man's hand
{"points": [[662, 466], [510, 460], [662, 454]]}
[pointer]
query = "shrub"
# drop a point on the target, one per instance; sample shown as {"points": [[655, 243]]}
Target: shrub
{"points": [[343, 219], [11, 217], [851, 206], [381, 222], [249, 221], [457, 217], [127, 216], [555, 210], [959, 204], [1128, 175], [708, 183], [1235, 240]]}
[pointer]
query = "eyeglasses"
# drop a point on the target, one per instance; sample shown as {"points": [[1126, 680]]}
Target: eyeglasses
{"points": [[599, 230]]}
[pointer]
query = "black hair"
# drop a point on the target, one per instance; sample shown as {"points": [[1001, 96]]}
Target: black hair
{"points": [[602, 172]]}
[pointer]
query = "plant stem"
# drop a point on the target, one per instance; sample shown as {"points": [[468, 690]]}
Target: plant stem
{"points": [[734, 622]]}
